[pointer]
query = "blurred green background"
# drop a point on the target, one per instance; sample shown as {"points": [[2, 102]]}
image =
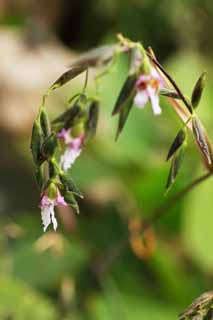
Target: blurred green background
{"points": [[95, 266]]}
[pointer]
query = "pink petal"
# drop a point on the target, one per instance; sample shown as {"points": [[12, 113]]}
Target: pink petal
{"points": [[60, 200]]}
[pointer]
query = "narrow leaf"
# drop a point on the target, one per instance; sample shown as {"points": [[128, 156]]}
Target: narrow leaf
{"points": [[198, 90], [49, 146], [70, 184], [175, 167], [123, 116], [36, 142], [201, 139], [92, 121], [73, 72], [125, 93], [39, 177], [45, 123], [70, 199], [178, 141]]}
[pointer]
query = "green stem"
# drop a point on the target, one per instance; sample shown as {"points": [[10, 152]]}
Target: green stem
{"points": [[160, 211]]}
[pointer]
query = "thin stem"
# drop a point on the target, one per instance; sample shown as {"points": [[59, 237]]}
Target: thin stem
{"points": [[160, 211], [104, 264], [171, 81]]}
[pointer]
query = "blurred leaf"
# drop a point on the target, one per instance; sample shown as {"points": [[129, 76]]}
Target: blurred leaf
{"points": [[19, 302]]}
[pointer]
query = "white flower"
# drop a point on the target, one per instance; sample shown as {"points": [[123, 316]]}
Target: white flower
{"points": [[72, 150], [148, 86], [47, 206]]}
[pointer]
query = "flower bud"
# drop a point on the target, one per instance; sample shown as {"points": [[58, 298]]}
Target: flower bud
{"points": [[49, 146]]}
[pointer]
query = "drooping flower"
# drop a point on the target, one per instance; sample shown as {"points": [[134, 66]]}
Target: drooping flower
{"points": [[148, 86], [73, 147], [47, 205]]}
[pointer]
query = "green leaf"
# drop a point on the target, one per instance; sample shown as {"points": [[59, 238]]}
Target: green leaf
{"points": [[175, 167], [123, 116], [45, 123], [39, 176], [92, 121], [201, 139], [72, 73], [70, 184], [178, 141], [70, 199], [198, 90], [36, 142], [49, 146], [125, 93]]}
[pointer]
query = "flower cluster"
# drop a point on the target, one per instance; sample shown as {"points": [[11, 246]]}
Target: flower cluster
{"points": [[57, 144]]}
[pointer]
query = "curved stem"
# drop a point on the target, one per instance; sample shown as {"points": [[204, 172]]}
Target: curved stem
{"points": [[158, 212], [103, 265]]}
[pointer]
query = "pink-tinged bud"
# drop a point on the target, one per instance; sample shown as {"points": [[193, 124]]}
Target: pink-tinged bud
{"points": [[73, 147], [148, 86], [47, 206]]}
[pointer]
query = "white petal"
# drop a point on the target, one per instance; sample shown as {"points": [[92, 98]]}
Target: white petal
{"points": [[46, 216], [141, 99], [68, 158], [154, 100], [53, 218]]}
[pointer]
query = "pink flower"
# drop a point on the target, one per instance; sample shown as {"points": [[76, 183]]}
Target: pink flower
{"points": [[72, 150], [148, 86], [47, 209]]}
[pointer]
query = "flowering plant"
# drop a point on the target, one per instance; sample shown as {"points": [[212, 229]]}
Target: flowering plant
{"points": [[57, 144]]}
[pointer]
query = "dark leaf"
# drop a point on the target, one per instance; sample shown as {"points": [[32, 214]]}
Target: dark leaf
{"points": [[70, 199], [175, 167], [201, 139], [169, 93], [45, 123], [36, 142], [73, 72], [49, 146], [178, 141], [70, 185], [125, 93], [123, 116], [198, 90], [39, 176], [92, 121]]}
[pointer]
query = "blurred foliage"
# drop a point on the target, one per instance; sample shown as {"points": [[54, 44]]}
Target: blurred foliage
{"points": [[89, 270]]}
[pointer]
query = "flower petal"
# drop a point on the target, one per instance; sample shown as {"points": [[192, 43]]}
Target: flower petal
{"points": [[46, 213], [141, 99], [68, 158], [154, 100]]}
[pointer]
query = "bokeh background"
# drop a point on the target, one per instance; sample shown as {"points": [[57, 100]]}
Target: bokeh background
{"points": [[97, 266]]}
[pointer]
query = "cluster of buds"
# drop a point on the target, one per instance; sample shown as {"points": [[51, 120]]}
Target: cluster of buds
{"points": [[57, 144], [55, 147]]}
